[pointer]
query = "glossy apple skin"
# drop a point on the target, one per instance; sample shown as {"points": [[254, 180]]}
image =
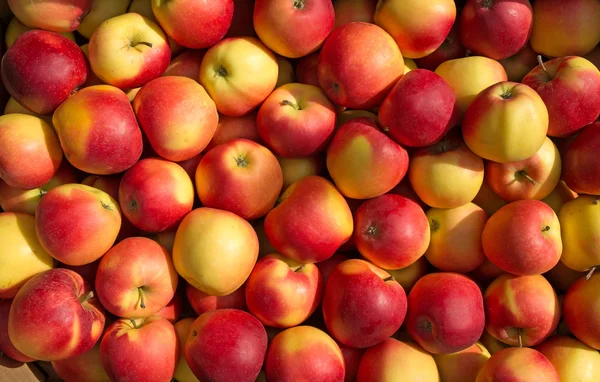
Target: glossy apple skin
{"points": [[580, 309], [26, 75], [145, 350], [57, 16], [452, 48], [55, 316], [391, 231], [194, 24], [518, 365], [277, 22], [363, 162], [86, 367], [580, 229], [25, 139], [525, 305], [572, 359], [202, 302], [362, 305], [304, 353], [226, 345], [433, 319], [312, 221], [580, 172], [358, 65], [497, 30], [6, 346]]}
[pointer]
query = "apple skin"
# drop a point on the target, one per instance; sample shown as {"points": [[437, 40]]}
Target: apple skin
{"points": [[496, 29], [194, 24], [352, 357], [204, 261], [347, 11], [98, 130], [407, 277], [562, 277], [239, 73], [187, 64], [294, 169], [226, 345], [391, 231], [362, 304], [570, 88], [391, 358], [447, 174], [139, 63], [140, 350], [418, 27], [452, 48], [580, 173], [523, 226], [56, 16], [136, 278], [156, 194], [99, 12], [77, 224], [312, 221], [488, 200], [358, 65], [277, 23], [296, 120], [304, 353], [520, 64], [433, 319], [403, 114], [532, 178], [574, 361], [580, 310], [506, 122], [518, 365], [177, 116], [230, 128], [524, 306], [55, 316], [468, 76], [16, 28], [281, 292], [202, 302], [13, 107], [25, 139], [240, 176], [86, 367], [363, 162], [580, 230], [463, 365], [455, 244], [565, 28], [307, 69], [183, 373], [6, 346]]}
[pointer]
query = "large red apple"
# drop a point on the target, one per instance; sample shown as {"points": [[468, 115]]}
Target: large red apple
{"points": [[6, 346]]}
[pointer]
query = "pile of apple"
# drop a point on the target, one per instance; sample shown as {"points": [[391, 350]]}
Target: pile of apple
{"points": [[302, 190]]}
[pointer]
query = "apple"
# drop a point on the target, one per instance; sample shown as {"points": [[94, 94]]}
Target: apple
{"points": [[238, 73], [311, 222], [362, 304], [172, 311], [226, 345], [363, 162], [56, 15], [282, 292], [183, 373], [573, 360], [349, 80], [456, 238], [101, 11], [408, 276], [278, 24], [468, 76], [16, 28], [580, 174], [240, 176], [391, 231], [452, 48], [98, 131], [348, 115], [187, 64], [129, 50], [25, 139], [140, 350], [580, 230], [352, 357], [463, 365], [496, 28], [86, 367], [347, 11], [27, 78], [304, 353], [491, 344], [521, 310], [580, 310], [447, 174], [418, 27], [307, 69], [230, 128], [569, 86], [392, 358], [506, 122], [77, 224], [294, 169], [55, 316], [594, 56], [445, 312], [532, 178], [296, 120], [520, 64], [215, 250], [488, 200], [286, 73], [518, 365], [562, 277], [6, 346], [156, 194], [87, 271], [202, 302], [565, 29]]}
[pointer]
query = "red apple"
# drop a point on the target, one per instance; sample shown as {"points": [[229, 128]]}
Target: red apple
{"points": [[580, 310], [306, 69], [327, 266], [580, 172], [452, 48], [517, 66], [187, 64], [202, 302], [352, 357], [518, 365], [6, 346]]}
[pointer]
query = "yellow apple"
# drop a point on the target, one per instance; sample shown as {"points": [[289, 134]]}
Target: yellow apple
{"points": [[573, 360], [580, 227]]}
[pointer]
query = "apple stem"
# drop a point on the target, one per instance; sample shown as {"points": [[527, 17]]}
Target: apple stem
{"points": [[285, 102], [520, 338], [539, 59], [88, 296], [43, 192], [300, 268], [142, 304], [590, 273], [133, 323], [391, 278], [148, 44], [526, 176]]}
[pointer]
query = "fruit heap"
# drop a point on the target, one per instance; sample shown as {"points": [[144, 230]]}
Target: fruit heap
{"points": [[301, 190]]}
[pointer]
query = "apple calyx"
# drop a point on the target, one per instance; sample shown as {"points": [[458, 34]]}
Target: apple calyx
{"points": [[371, 230], [141, 292], [241, 161], [86, 297], [487, 4], [588, 276], [132, 205], [285, 102], [133, 323], [43, 192], [106, 206], [221, 72], [434, 225], [300, 268], [299, 4], [546, 228], [524, 174], [506, 95]]}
